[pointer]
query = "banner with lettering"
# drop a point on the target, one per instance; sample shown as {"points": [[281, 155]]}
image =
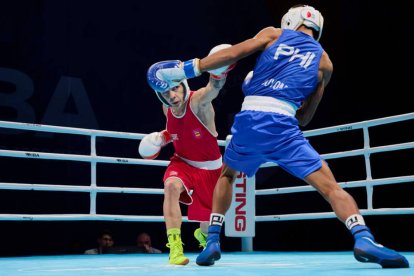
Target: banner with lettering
{"points": [[240, 218]]}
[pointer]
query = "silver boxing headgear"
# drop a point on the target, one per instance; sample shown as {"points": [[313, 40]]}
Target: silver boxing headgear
{"points": [[305, 15], [186, 93]]}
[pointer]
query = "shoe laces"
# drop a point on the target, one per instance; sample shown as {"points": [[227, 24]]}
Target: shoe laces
{"points": [[202, 239], [176, 248]]}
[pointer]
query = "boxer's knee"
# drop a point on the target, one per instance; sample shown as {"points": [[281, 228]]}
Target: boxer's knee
{"points": [[334, 192], [173, 187], [229, 174]]}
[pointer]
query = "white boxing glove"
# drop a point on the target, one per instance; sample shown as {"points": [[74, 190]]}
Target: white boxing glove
{"points": [[151, 144], [221, 72]]}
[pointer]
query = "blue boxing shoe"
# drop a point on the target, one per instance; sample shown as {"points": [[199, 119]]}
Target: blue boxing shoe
{"points": [[366, 250], [211, 252]]}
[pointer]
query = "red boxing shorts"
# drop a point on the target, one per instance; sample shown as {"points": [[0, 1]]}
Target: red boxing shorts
{"points": [[199, 186]]}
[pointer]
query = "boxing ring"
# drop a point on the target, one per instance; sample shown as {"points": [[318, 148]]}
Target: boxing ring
{"points": [[240, 263], [243, 263]]}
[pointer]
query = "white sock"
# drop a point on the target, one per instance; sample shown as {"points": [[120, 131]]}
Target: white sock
{"points": [[354, 220], [216, 219]]}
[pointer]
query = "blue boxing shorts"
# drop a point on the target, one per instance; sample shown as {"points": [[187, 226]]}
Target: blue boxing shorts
{"points": [[259, 137]]}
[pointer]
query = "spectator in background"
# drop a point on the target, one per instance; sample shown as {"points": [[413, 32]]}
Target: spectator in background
{"points": [[144, 241], [105, 242]]}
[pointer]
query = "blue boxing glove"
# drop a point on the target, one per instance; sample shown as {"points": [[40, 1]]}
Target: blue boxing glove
{"points": [[191, 68], [161, 80], [164, 75]]}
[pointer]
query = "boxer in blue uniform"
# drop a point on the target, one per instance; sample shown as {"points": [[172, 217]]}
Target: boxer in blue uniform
{"points": [[282, 92]]}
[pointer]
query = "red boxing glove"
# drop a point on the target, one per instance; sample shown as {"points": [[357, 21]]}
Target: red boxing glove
{"points": [[220, 73], [224, 74]]}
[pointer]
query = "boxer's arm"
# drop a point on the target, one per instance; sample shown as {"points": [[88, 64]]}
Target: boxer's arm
{"points": [[220, 73], [308, 108], [207, 94], [305, 112], [239, 51], [217, 80], [225, 57]]}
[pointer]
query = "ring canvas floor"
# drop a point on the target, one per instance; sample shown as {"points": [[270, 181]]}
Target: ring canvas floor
{"points": [[231, 264]]}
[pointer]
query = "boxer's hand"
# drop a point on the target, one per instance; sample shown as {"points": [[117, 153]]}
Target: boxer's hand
{"points": [[159, 75], [186, 70], [247, 80], [164, 75], [151, 144], [221, 72]]}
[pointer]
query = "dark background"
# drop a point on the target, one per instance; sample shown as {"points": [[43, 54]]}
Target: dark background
{"points": [[83, 64]]}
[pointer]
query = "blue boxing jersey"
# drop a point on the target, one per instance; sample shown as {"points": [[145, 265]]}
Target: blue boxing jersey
{"points": [[288, 69]]}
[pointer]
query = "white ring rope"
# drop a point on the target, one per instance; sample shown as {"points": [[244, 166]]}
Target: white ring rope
{"points": [[369, 183], [93, 159]]}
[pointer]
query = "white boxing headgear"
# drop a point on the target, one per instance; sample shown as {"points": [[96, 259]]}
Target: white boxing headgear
{"points": [[305, 15], [186, 93]]}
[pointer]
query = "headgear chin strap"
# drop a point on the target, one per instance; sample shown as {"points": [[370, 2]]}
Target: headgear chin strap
{"points": [[186, 93], [306, 15]]}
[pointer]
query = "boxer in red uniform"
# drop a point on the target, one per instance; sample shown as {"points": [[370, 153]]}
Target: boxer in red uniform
{"points": [[195, 167]]}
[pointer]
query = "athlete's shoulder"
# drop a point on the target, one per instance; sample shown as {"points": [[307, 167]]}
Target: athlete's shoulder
{"points": [[269, 32], [268, 36]]}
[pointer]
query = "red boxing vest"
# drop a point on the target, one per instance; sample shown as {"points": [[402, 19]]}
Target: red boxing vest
{"points": [[191, 138]]}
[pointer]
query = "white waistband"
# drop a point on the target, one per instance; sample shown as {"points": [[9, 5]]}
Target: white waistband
{"points": [[205, 165], [268, 104]]}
